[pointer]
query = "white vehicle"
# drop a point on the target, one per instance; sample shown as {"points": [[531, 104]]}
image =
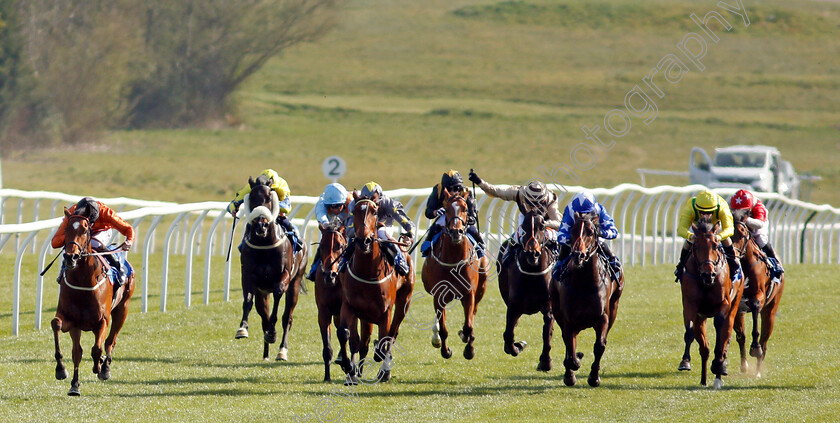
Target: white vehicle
{"points": [[755, 167]]}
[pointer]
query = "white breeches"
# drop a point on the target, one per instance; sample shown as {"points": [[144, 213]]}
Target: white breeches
{"points": [[761, 236], [101, 239]]}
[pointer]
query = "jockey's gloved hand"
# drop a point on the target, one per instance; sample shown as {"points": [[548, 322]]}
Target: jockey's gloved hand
{"points": [[474, 177], [440, 212], [126, 245], [407, 236], [470, 221]]}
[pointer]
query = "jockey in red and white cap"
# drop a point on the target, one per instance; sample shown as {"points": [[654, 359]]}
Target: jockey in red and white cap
{"points": [[745, 205]]}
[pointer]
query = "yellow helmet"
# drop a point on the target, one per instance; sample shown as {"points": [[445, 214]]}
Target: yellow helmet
{"points": [[370, 189], [706, 201]]}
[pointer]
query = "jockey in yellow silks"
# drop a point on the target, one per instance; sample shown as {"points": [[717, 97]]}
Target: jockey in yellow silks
{"points": [[714, 207], [284, 195]]}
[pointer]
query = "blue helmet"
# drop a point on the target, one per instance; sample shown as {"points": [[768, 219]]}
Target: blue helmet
{"points": [[335, 194], [583, 202]]}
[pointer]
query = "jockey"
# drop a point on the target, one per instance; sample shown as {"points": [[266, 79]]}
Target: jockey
{"points": [[332, 205], [453, 183], [714, 207], [744, 205], [284, 195], [534, 196], [390, 210], [584, 203], [102, 219]]}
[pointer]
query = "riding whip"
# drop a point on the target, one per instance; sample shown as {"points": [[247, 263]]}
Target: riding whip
{"points": [[477, 225], [230, 244], [51, 263]]}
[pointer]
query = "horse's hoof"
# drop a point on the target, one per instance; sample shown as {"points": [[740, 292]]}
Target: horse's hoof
{"points": [[74, 391], [579, 355], [270, 337], [338, 360], [104, 374], [241, 333], [463, 337], [756, 351], [685, 365], [569, 378], [384, 376], [436, 340], [544, 366], [469, 352], [594, 381], [744, 367], [61, 374], [283, 355], [758, 375], [718, 383], [446, 353], [351, 380]]}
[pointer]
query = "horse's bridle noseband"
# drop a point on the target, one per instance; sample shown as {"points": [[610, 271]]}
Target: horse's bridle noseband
{"points": [[587, 254]]}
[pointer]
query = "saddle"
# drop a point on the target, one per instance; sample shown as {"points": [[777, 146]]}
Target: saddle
{"points": [[118, 270]]}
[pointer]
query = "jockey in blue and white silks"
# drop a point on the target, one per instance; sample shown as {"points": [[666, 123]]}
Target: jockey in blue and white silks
{"points": [[332, 206], [584, 202]]}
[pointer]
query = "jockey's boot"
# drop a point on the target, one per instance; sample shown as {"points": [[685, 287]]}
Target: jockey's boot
{"points": [[114, 261], [314, 268], [734, 265], [768, 249], [291, 230], [480, 248], [508, 248], [562, 257], [348, 252], [426, 246], [399, 262], [678, 272], [615, 264]]}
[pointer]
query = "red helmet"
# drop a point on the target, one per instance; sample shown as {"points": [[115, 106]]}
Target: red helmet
{"points": [[742, 199]]}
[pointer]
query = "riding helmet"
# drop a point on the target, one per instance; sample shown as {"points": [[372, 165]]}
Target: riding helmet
{"points": [[89, 207], [583, 202], [706, 201], [371, 189], [335, 194], [742, 199]]}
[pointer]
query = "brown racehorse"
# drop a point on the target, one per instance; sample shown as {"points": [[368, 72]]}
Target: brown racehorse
{"points": [[761, 295], [269, 265], [85, 303], [707, 291], [524, 285], [327, 288], [585, 297], [453, 258], [371, 289]]}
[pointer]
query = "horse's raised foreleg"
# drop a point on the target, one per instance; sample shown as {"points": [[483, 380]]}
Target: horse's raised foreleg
{"points": [[76, 336], [512, 319], [327, 353], [60, 370], [601, 330], [98, 341], [571, 361], [247, 304], [548, 332], [703, 342], [291, 302], [741, 337], [466, 334]]}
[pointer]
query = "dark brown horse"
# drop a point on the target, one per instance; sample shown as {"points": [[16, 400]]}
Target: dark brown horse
{"points": [[524, 285], [85, 303], [761, 295], [327, 287], [269, 266], [585, 297], [707, 291], [371, 289], [453, 258]]}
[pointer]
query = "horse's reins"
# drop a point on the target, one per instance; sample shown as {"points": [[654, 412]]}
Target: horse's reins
{"points": [[519, 266], [82, 254], [350, 264]]}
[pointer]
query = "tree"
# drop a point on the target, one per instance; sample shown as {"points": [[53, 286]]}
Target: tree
{"points": [[200, 51]]}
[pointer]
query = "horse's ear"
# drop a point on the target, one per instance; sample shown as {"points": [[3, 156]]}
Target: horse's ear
{"points": [[355, 195], [66, 212], [251, 181], [577, 215]]}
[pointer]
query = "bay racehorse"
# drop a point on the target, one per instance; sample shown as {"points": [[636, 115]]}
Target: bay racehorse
{"points": [[371, 292], [761, 295], [86, 303], [708, 292], [327, 287], [455, 272], [524, 285], [586, 296], [269, 265]]}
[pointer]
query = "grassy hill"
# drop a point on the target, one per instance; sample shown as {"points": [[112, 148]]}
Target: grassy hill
{"points": [[403, 90]]}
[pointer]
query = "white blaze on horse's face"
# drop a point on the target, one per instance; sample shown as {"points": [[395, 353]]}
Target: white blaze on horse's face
{"points": [[75, 225]]}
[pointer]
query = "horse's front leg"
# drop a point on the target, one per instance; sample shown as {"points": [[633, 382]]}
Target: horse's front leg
{"points": [[60, 370], [722, 333], [383, 348], [247, 304], [440, 333], [688, 337], [601, 330], [347, 332], [703, 342], [741, 337], [98, 341], [512, 319], [288, 310], [548, 332], [755, 309], [261, 301], [571, 361], [327, 353], [76, 336], [466, 334]]}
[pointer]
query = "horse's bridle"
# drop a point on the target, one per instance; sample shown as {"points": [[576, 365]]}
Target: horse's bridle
{"points": [[83, 249], [539, 250], [455, 218], [373, 206], [715, 263], [324, 266], [590, 250]]}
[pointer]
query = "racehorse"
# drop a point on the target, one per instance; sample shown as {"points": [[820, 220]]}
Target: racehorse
{"points": [[269, 265], [761, 295], [327, 288], [370, 290], [707, 291], [454, 257], [86, 303], [586, 296], [524, 286]]}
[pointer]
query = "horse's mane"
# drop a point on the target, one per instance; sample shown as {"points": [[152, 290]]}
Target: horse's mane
{"points": [[263, 180]]}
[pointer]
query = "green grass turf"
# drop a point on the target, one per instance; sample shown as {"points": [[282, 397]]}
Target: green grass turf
{"points": [[404, 90], [184, 365]]}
